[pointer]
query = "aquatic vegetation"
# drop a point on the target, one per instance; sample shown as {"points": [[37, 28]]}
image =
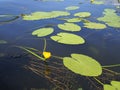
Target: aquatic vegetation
{"points": [[108, 87], [45, 15], [69, 27], [72, 8], [68, 38], [43, 32], [94, 25], [116, 84], [83, 65], [7, 18], [79, 64], [83, 14], [97, 2], [31, 51], [110, 18], [3, 42]]}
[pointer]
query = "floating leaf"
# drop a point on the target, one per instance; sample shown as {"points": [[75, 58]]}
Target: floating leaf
{"points": [[93, 25], [68, 38], [108, 87], [82, 14], [43, 32], [69, 27], [83, 65], [97, 2], [72, 8], [45, 15], [116, 84], [74, 20], [3, 42], [110, 18], [47, 55]]}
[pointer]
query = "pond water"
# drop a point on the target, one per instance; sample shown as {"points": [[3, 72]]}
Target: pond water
{"points": [[19, 70]]}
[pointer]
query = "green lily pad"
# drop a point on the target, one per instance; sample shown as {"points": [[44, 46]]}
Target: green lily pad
{"points": [[108, 87], [83, 14], [97, 2], [72, 8], [72, 20], [43, 32], [68, 38], [110, 18], [45, 15], [83, 65], [93, 25], [116, 84], [3, 42], [69, 27]]}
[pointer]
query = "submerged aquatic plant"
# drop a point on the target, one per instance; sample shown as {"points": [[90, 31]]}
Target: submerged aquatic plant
{"points": [[3, 42], [4, 19]]}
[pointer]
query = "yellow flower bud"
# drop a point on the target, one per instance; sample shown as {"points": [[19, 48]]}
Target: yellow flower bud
{"points": [[47, 55]]}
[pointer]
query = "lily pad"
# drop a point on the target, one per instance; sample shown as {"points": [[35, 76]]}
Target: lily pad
{"points": [[72, 20], [83, 14], [3, 42], [116, 84], [69, 27], [110, 18], [108, 87], [72, 8], [97, 2], [93, 25], [45, 15], [83, 65], [68, 38], [43, 32]]}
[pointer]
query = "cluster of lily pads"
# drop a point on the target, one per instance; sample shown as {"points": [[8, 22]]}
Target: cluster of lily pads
{"points": [[77, 63], [110, 18]]}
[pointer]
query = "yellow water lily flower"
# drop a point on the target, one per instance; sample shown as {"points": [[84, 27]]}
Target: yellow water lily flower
{"points": [[47, 55]]}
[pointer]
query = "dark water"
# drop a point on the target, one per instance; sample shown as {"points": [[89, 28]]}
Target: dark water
{"points": [[15, 72]]}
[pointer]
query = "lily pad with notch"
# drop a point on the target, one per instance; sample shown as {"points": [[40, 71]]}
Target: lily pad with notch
{"points": [[83, 65], [69, 27], [43, 32], [83, 14], [68, 38], [94, 25]]}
